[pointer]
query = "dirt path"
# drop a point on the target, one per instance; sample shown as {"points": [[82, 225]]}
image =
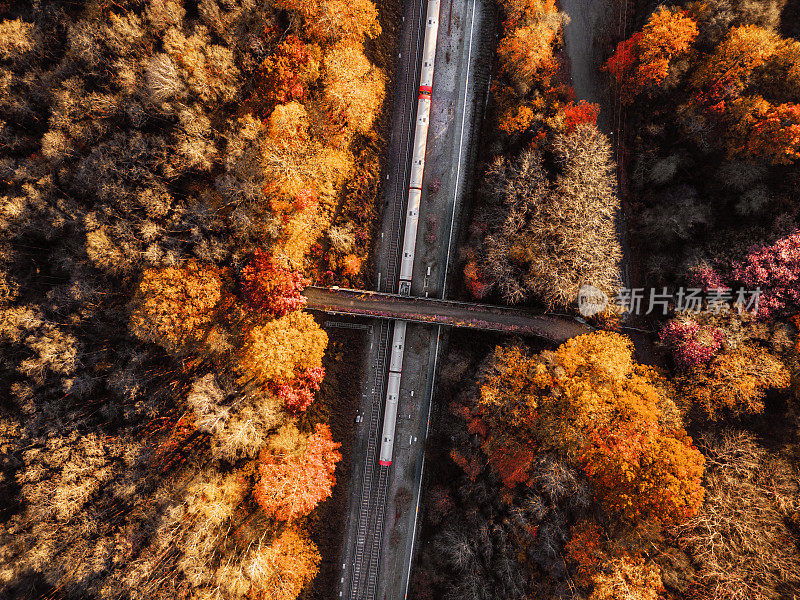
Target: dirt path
{"points": [[591, 22], [589, 19]]}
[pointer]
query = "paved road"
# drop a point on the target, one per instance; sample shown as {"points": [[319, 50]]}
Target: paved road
{"points": [[443, 312]]}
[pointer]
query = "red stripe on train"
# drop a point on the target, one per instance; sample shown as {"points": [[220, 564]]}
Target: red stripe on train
{"points": [[425, 89], [384, 463]]}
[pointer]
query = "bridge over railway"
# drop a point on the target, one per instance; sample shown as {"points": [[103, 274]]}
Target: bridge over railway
{"points": [[443, 312]]}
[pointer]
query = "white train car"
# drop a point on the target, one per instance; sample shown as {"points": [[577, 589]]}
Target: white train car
{"points": [[410, 232], [419, 147], [392, 393]]}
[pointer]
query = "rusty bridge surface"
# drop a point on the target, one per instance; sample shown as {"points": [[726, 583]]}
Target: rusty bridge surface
{"points": [[362, 303]]}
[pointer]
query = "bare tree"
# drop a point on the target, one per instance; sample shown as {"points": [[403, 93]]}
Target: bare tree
{"points": [[740, 538], [548, 239]]}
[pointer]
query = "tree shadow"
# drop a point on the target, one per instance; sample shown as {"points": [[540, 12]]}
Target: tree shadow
{"points": [[790, 19]]}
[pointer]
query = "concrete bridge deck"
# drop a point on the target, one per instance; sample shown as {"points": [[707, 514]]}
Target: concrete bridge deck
{"points": [[443, 312]]}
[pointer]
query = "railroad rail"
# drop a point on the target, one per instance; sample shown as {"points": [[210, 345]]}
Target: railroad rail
{"points": [[402, 212], [372, 506], [365, 533]]}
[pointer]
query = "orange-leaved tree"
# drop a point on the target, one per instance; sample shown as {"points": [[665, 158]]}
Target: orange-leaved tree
{"points": [[275, 351], [637, 471], [526, 52], [608, 568], [643, 61], [296, 471], [529, 31], [627, 577], [733, 384], [586, 549], [760, 129], [519, 13], [590, 401], [174, 306], [748, 57], [354, 87], [287, 126], [289, 72], [333, 20], [727, 71], [284, 567]]}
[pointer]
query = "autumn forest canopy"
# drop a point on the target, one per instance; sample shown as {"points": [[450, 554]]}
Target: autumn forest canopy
{"points": [[174, 172]]}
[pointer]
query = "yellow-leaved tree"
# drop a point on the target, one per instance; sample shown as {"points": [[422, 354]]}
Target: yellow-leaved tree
{"points": [[274, 351], [627, 578], [174, 306], [332, 20], [354, 87]]}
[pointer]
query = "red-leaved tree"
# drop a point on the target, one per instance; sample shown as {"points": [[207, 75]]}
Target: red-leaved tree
{"points": [[774, 133], [642, 62], [691, 345], [637, 471], [296, 472], [776, 271], [270, 287], [577, 114], [477, 283], [512, 464], [290, 71], [298, 393]]}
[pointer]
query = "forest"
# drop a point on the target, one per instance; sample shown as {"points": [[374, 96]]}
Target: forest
{"points": [[605, 469], [173, 173]]}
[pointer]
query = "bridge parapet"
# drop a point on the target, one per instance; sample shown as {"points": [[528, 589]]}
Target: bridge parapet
{"points": [[443, 312]]}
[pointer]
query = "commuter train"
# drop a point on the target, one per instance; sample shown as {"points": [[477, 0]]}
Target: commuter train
{"points": [[418, 150], [410, 233], [392, 392]]}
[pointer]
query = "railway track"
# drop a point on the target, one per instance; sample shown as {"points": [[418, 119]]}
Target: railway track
{"points": [[372, 507], [399, 189], [380, 514], [365, 535], [413, 97]]}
